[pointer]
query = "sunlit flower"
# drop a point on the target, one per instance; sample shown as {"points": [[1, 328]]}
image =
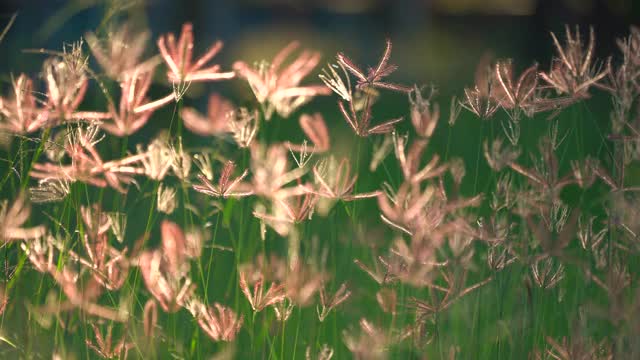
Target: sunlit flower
{"points": [[120, 51], [215, 122], [278, 89], [226, 187], [21, 113], [179, 58], [13, 219]]}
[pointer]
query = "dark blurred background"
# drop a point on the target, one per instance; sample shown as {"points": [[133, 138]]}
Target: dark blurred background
{"points": [[437, 41]]}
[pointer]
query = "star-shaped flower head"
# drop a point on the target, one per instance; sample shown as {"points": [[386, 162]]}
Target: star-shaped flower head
{"points": [[179, 58], [278, 89]]}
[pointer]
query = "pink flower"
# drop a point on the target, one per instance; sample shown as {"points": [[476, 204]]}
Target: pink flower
{"points": [[179, 58]]}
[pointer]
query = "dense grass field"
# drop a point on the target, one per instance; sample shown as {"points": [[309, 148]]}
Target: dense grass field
{"points": [[320, 210]]}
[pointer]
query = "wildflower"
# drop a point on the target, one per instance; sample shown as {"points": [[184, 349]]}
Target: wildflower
{"points": [[21, 112], [424, 116], [279, 89], [573, 72], [179, 58], [545, 274], [283, 309], [227, 187], [108, 265], [180, 160], [519, 95], [166, 199], [270, 170], [498, 156], [381, 150], [326, 353], [301, 283], [157, 160], [40, 252], [374, 76], [104, 346], [410, 161], [304, 154], [66, 83], [371, 343], [335, 83], [329, 303], [402, 210], [481, 105], [244, 126], [165, 270], [120, 51], [316, 130], [216, 121], [49, 190], [219, 322], [589, 238], [86, 164], [288, 212], [442, 297], [118, 224], [579, 348], [135, 109], [360, 121], [336, 183], [12, 220], [480, 99], [259, 299]]}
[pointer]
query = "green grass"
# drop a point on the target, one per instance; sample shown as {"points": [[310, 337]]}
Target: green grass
{"points": [[510, 317]]}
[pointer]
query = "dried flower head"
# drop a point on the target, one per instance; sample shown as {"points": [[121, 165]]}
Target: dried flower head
{"points": [[519, 95], [258, 299], [216, 121], [179, 58], [20, 113], [573, 72], [120, 51], [329, 303], [374, 76], [219, 322], [360, 119], [86, 164], [135, 109], [165, 270], [335, 182], [226, 187], [270, 170], [334, 81], [316, 130], [105, 347], [166, 199], [424, 115], [49, 190], [371, 343], [66, 84], [244, 125], [547, 273], [288, 211], [13, 219], [278, 89]]}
